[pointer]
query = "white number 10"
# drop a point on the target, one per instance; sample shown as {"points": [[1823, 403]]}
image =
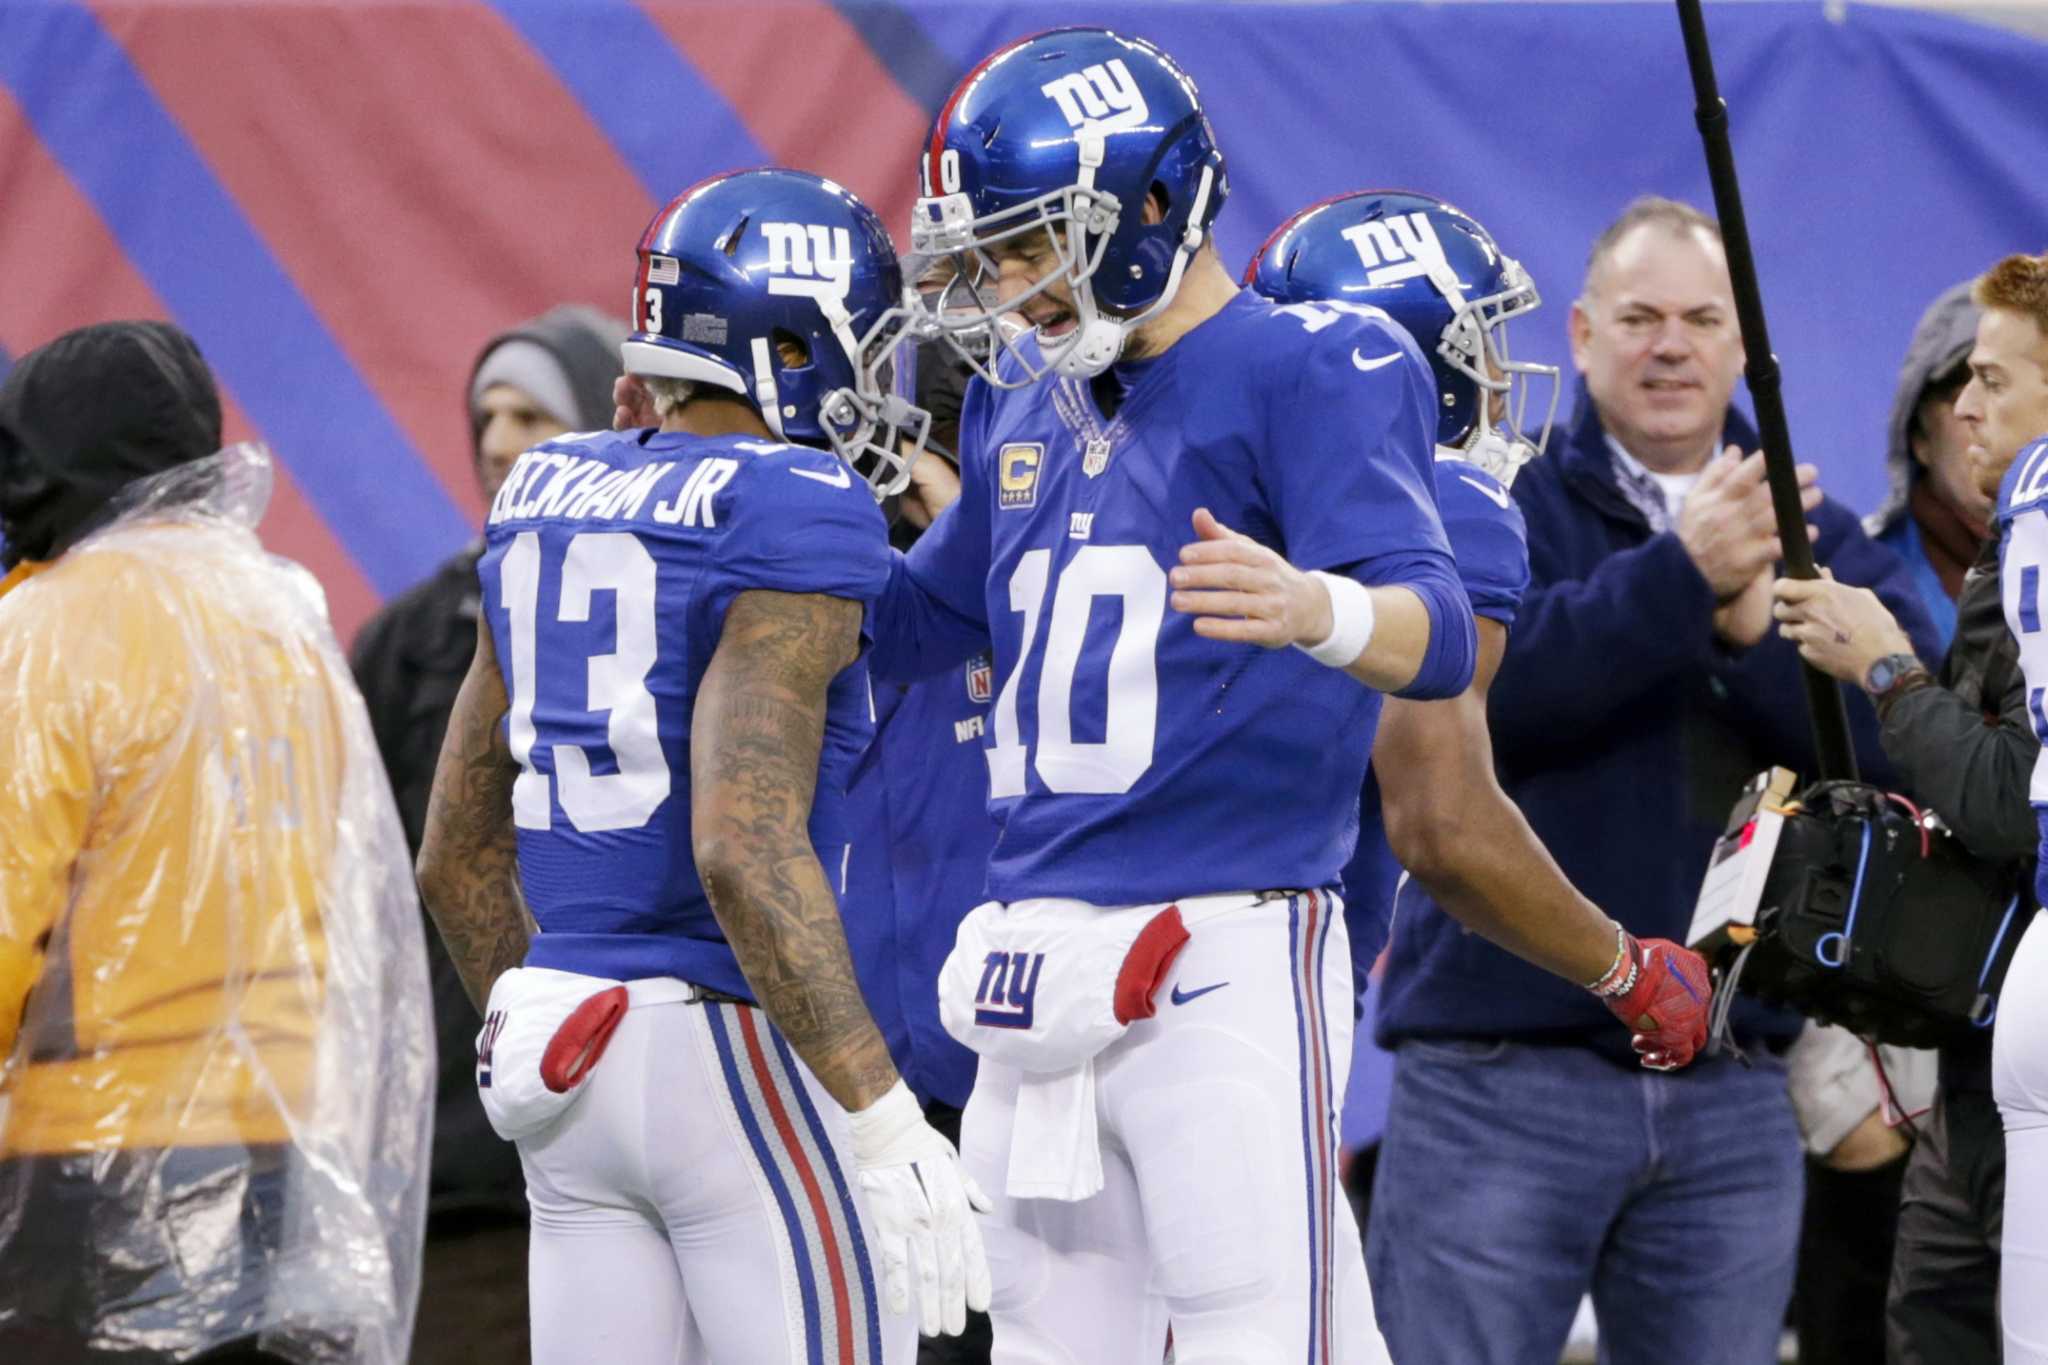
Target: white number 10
{"points": [[1132, 715]]}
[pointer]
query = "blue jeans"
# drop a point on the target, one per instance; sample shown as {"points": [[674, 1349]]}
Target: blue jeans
{"points": [[1513, 1179]]}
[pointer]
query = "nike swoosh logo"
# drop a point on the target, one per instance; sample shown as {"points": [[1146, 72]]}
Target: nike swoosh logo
{"points": [[844, 480], [1376, 363], [1181, 997], [1497, 497]]}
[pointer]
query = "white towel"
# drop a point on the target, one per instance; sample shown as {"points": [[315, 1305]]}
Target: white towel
{"points": [[1055, 1147]]}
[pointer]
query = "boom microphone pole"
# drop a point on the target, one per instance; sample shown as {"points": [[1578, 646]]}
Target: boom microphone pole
{"points": [[1824, 698]]}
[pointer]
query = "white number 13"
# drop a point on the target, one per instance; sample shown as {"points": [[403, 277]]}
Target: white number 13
{"points": [[616, 683], [1132, 715]]}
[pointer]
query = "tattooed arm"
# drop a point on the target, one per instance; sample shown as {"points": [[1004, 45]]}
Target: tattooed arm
{"points": [[754, 743], [469, 862]]}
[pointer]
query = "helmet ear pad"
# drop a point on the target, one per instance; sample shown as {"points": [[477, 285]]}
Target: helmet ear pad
{"points": [[1458, 399], [801, 384]]}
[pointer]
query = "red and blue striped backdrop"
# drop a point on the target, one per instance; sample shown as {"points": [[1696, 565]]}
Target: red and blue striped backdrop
{"points": [[341, 199]]}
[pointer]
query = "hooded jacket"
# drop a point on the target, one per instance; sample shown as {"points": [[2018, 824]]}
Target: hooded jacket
{"points": [[409, 661], [585, 342], [1941, 343]]}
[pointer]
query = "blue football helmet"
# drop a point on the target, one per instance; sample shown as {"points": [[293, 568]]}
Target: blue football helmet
{"points": [[737, 267], [1439, 274], [1067, 133]]}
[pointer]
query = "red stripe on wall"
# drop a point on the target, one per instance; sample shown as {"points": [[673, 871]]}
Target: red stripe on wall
{"points": [[811, 92], [64, 270], [419, 172]]}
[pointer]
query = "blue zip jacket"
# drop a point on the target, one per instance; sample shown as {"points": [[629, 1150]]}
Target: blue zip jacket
{"points": [[1624, 729]]}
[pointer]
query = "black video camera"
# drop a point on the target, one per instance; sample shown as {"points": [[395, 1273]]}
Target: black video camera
{"points": [[1853, 907]]}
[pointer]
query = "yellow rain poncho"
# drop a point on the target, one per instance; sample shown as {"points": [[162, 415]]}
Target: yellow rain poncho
{"points": [[214, 1012]]}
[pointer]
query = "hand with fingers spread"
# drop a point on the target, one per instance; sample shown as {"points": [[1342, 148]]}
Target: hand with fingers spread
{"points": [[1839, 629], [1238, 589], [922, 1204], [1727, 525]]}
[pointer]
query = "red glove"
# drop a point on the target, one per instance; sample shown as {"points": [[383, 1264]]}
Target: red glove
{"points": [[1661, 992]]}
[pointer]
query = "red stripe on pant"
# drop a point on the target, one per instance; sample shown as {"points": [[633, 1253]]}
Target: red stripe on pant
{"points": [[842, 1305]]}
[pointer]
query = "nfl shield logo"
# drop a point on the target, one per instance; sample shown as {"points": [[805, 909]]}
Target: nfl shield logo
{"points": [[981, 679], [1096, 458]]}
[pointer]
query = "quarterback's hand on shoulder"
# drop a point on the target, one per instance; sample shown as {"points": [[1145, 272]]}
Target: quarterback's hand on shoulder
{"points": [[1662, 992], [920, 1201], [1238, 589], [632, 405]]}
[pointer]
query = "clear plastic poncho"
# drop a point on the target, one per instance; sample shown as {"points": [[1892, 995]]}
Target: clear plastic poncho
{"points": [[215, 1112]]}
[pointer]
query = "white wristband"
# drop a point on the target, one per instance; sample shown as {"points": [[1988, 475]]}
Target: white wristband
{"points": [[1351, 621], [879, 1129]]}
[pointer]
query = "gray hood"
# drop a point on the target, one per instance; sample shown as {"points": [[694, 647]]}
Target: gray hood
{"points": [[585, 343], [1940, 343]]}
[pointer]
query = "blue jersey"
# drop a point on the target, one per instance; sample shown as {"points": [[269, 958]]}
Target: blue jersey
{"points": [[919, 806], [1130, 760], [2022, 521], [610, 561], [1492, 545]]}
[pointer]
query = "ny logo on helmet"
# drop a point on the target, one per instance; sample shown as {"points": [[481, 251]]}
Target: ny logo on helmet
{"points": [[808, 260], [1102, 98], [1402, 247]]}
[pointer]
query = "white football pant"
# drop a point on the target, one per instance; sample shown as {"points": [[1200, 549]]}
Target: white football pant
{"points": [[1221, 1214], [698, 1204]]}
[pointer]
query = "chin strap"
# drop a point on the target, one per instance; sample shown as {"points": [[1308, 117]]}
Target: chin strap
{"points": [[766, 396]]}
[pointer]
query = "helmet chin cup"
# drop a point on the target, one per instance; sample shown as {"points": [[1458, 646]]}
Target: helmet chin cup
{"points": [[1499, 455], [1093, 348]]}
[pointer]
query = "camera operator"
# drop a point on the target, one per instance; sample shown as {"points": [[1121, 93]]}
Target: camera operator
{"points": [[1965, 746]]}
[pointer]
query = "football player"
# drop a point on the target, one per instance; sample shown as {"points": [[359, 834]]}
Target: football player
{"points": [[1159, 988], [655, 735], [1439, 812]]}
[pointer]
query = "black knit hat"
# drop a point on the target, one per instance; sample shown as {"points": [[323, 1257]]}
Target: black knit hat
{"points": [[89, 413]]}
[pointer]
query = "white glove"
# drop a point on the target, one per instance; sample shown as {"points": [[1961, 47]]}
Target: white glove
{"points": [[919, 1199]]}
